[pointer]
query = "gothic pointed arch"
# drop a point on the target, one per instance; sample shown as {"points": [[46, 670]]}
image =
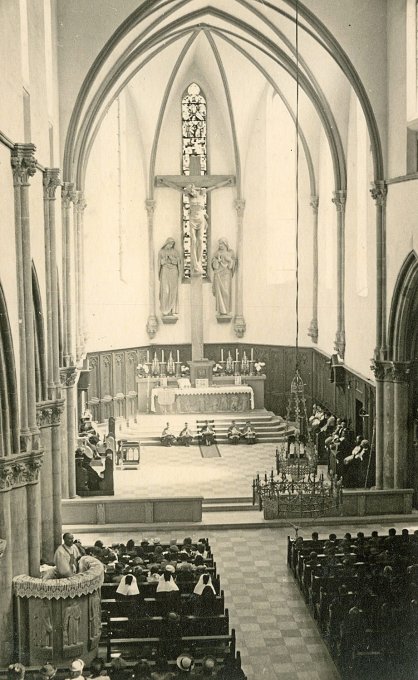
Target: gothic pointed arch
{"points": [[403, 327], [9, 412]]}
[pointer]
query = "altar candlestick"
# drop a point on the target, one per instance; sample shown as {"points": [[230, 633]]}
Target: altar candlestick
{"points": [[162, 355], [236, 355], [178, 356], [147, 356], [252, 353], [222, 355]]}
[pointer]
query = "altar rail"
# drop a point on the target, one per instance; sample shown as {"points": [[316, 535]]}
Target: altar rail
{"points": [[113, 387], [131, 510]]}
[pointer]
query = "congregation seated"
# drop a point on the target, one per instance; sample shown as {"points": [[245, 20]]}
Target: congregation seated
{"points": [[151, 627], [248, 433], [207, 434], [185, 437], [363, 593], [234, 433], [167, 437]]}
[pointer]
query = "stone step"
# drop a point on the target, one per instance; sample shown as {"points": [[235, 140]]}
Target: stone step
{"points": [[230, 508]]}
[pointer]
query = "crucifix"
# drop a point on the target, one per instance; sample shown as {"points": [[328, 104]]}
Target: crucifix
{"points": [[196, 187]]}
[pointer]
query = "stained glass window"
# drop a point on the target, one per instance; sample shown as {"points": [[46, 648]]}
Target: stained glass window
{"points": [[194, 162]]}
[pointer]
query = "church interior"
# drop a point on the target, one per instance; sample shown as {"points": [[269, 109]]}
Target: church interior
{"points": [[209, 339]]}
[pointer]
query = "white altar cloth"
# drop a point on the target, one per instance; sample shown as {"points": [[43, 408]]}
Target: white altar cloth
{"points": [[167, 395]]}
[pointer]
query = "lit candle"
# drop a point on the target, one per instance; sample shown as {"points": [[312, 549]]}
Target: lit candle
{"points": [[252, 353], [162, 356], [147, 356], [236, 355], [178, 357], [222, 355]]}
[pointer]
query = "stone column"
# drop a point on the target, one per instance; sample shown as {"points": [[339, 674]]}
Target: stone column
{"points": [[51, 182], [6, 575], [67, 195], [313, 328], [52, 179], [64, 450], [152, 322], [379, 192], [339, 199], [49, 414], [79, 206], [69, 377], [379, 373], [400, 422], [239, 321], [21, 165], [388, 427], [33, 504], [24, 166]]}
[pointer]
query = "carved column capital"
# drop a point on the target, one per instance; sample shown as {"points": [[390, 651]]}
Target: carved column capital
{"points": [[314, 203], [68, 375], [23, 163], [379, 191], [48, 413], [51, 181], [67, 193], [239, 204], [378, 368], [20, 470], [339, 199], [150, 206]]}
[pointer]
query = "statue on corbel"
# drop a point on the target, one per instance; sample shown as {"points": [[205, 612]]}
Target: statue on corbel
{"points": [[3, 546], [223, 265], [168, 273]]}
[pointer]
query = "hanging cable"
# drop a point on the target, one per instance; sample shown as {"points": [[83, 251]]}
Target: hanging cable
{"points": [[297, 185]]}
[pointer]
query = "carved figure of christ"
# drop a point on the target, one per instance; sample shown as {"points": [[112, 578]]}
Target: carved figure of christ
{"points": [[197, 189]]}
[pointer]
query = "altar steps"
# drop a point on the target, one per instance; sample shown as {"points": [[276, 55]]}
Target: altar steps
{"points": [[268, 427]]}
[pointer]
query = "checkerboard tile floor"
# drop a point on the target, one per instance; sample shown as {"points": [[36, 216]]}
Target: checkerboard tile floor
{"points": [[180, 471]]}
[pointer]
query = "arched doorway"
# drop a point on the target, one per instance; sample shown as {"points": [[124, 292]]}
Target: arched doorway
{"points": [[403, 348]]}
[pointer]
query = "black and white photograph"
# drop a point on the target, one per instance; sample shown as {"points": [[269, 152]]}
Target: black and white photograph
{"points": [[209, 339]]}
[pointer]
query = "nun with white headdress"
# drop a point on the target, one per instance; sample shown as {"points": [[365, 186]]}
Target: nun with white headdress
{"points": [[167, 593], [205, 603], [128, 586]]}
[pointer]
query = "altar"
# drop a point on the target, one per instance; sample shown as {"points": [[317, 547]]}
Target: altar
{"points": [[219, 399]]}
